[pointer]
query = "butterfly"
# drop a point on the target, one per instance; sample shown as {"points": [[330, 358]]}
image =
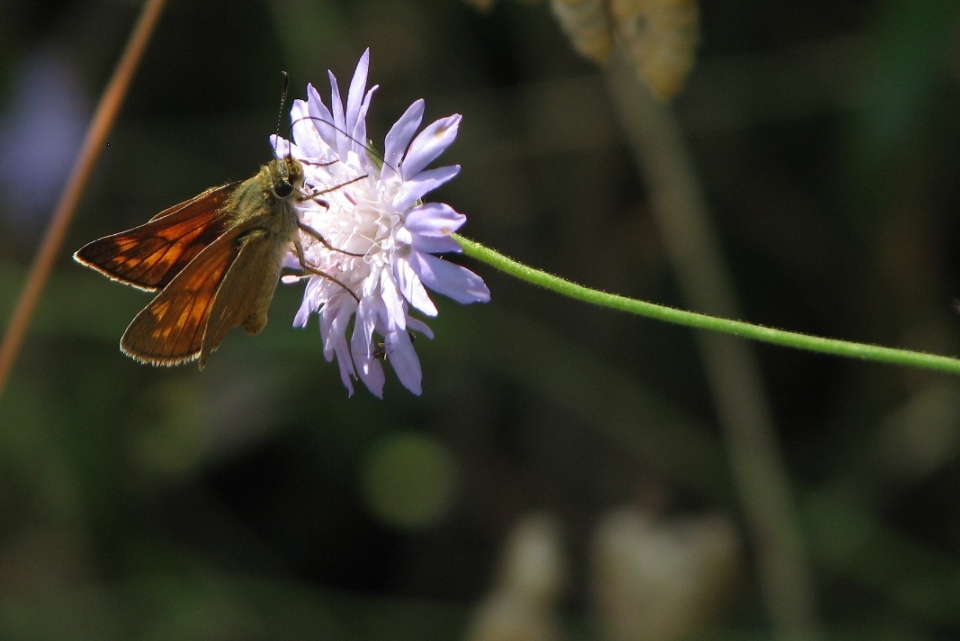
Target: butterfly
{"points": [[215, 260]]}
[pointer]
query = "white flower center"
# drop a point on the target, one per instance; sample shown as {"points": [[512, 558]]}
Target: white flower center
{"points": [[355, 217]]}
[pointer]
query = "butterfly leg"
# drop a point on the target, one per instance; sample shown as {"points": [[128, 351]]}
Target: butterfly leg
{"points": [[314, 163], [313, 270], [307, 229], [314, 195]]}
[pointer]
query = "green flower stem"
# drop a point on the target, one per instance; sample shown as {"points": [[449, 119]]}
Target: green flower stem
{"points": [[702, 321]]}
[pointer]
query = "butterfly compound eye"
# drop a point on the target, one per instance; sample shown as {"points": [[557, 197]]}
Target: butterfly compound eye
{"points": [[282, 188]]}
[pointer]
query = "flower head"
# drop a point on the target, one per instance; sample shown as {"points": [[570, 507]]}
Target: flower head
{"points": [[380, 237]]}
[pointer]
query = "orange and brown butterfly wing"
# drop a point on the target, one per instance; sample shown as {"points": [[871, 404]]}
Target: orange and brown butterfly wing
{"points": [[170, 330], [151, 255]]}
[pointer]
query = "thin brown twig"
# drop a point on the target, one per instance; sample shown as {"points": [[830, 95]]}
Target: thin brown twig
{"points": [[93, 143]]}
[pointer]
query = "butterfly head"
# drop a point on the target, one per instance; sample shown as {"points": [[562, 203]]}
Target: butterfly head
{"points": [[286, 177]]}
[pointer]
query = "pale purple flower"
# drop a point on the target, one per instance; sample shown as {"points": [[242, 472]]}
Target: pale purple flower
{"points": [[386, 237]]}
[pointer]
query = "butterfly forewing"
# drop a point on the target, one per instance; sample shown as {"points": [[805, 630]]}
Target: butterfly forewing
{"points": [[151, 255], [170, 329]]}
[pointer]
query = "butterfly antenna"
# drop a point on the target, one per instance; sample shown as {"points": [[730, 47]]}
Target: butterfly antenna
{"points": [[365, 144], [283, 100]]}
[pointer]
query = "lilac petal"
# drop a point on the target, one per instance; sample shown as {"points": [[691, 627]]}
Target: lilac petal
{"points": [[339, 118], [366, 321], [321, 118], [335, 296], [434, 219], [402, 236], [281, 146], [397, 139], [369, 369], [373, 376], [411, 287], [308, 305], [433, 245], [333, 325], [336, 104], [335, 343], [355, 95], [425, 182], [325, 336], [420, 327], [298, 109], [360, 129], [345, 376], [453, 281], [303, 314], [303, 131], [290, 261], [429, 143], [403, 359], [286, 149], [362, 338], [392, 303]]}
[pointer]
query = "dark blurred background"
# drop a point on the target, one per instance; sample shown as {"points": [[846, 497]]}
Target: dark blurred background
{"points": [[563, 469]]}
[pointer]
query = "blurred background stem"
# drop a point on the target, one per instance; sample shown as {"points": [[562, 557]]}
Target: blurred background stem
{"points": [[93, 143], [690, 241]]}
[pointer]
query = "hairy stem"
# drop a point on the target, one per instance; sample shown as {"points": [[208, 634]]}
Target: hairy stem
{"points": [[742, 329]]}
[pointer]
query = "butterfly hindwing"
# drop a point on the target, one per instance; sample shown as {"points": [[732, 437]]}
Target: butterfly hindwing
{"points": [[246, 291], [170, 329]]}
